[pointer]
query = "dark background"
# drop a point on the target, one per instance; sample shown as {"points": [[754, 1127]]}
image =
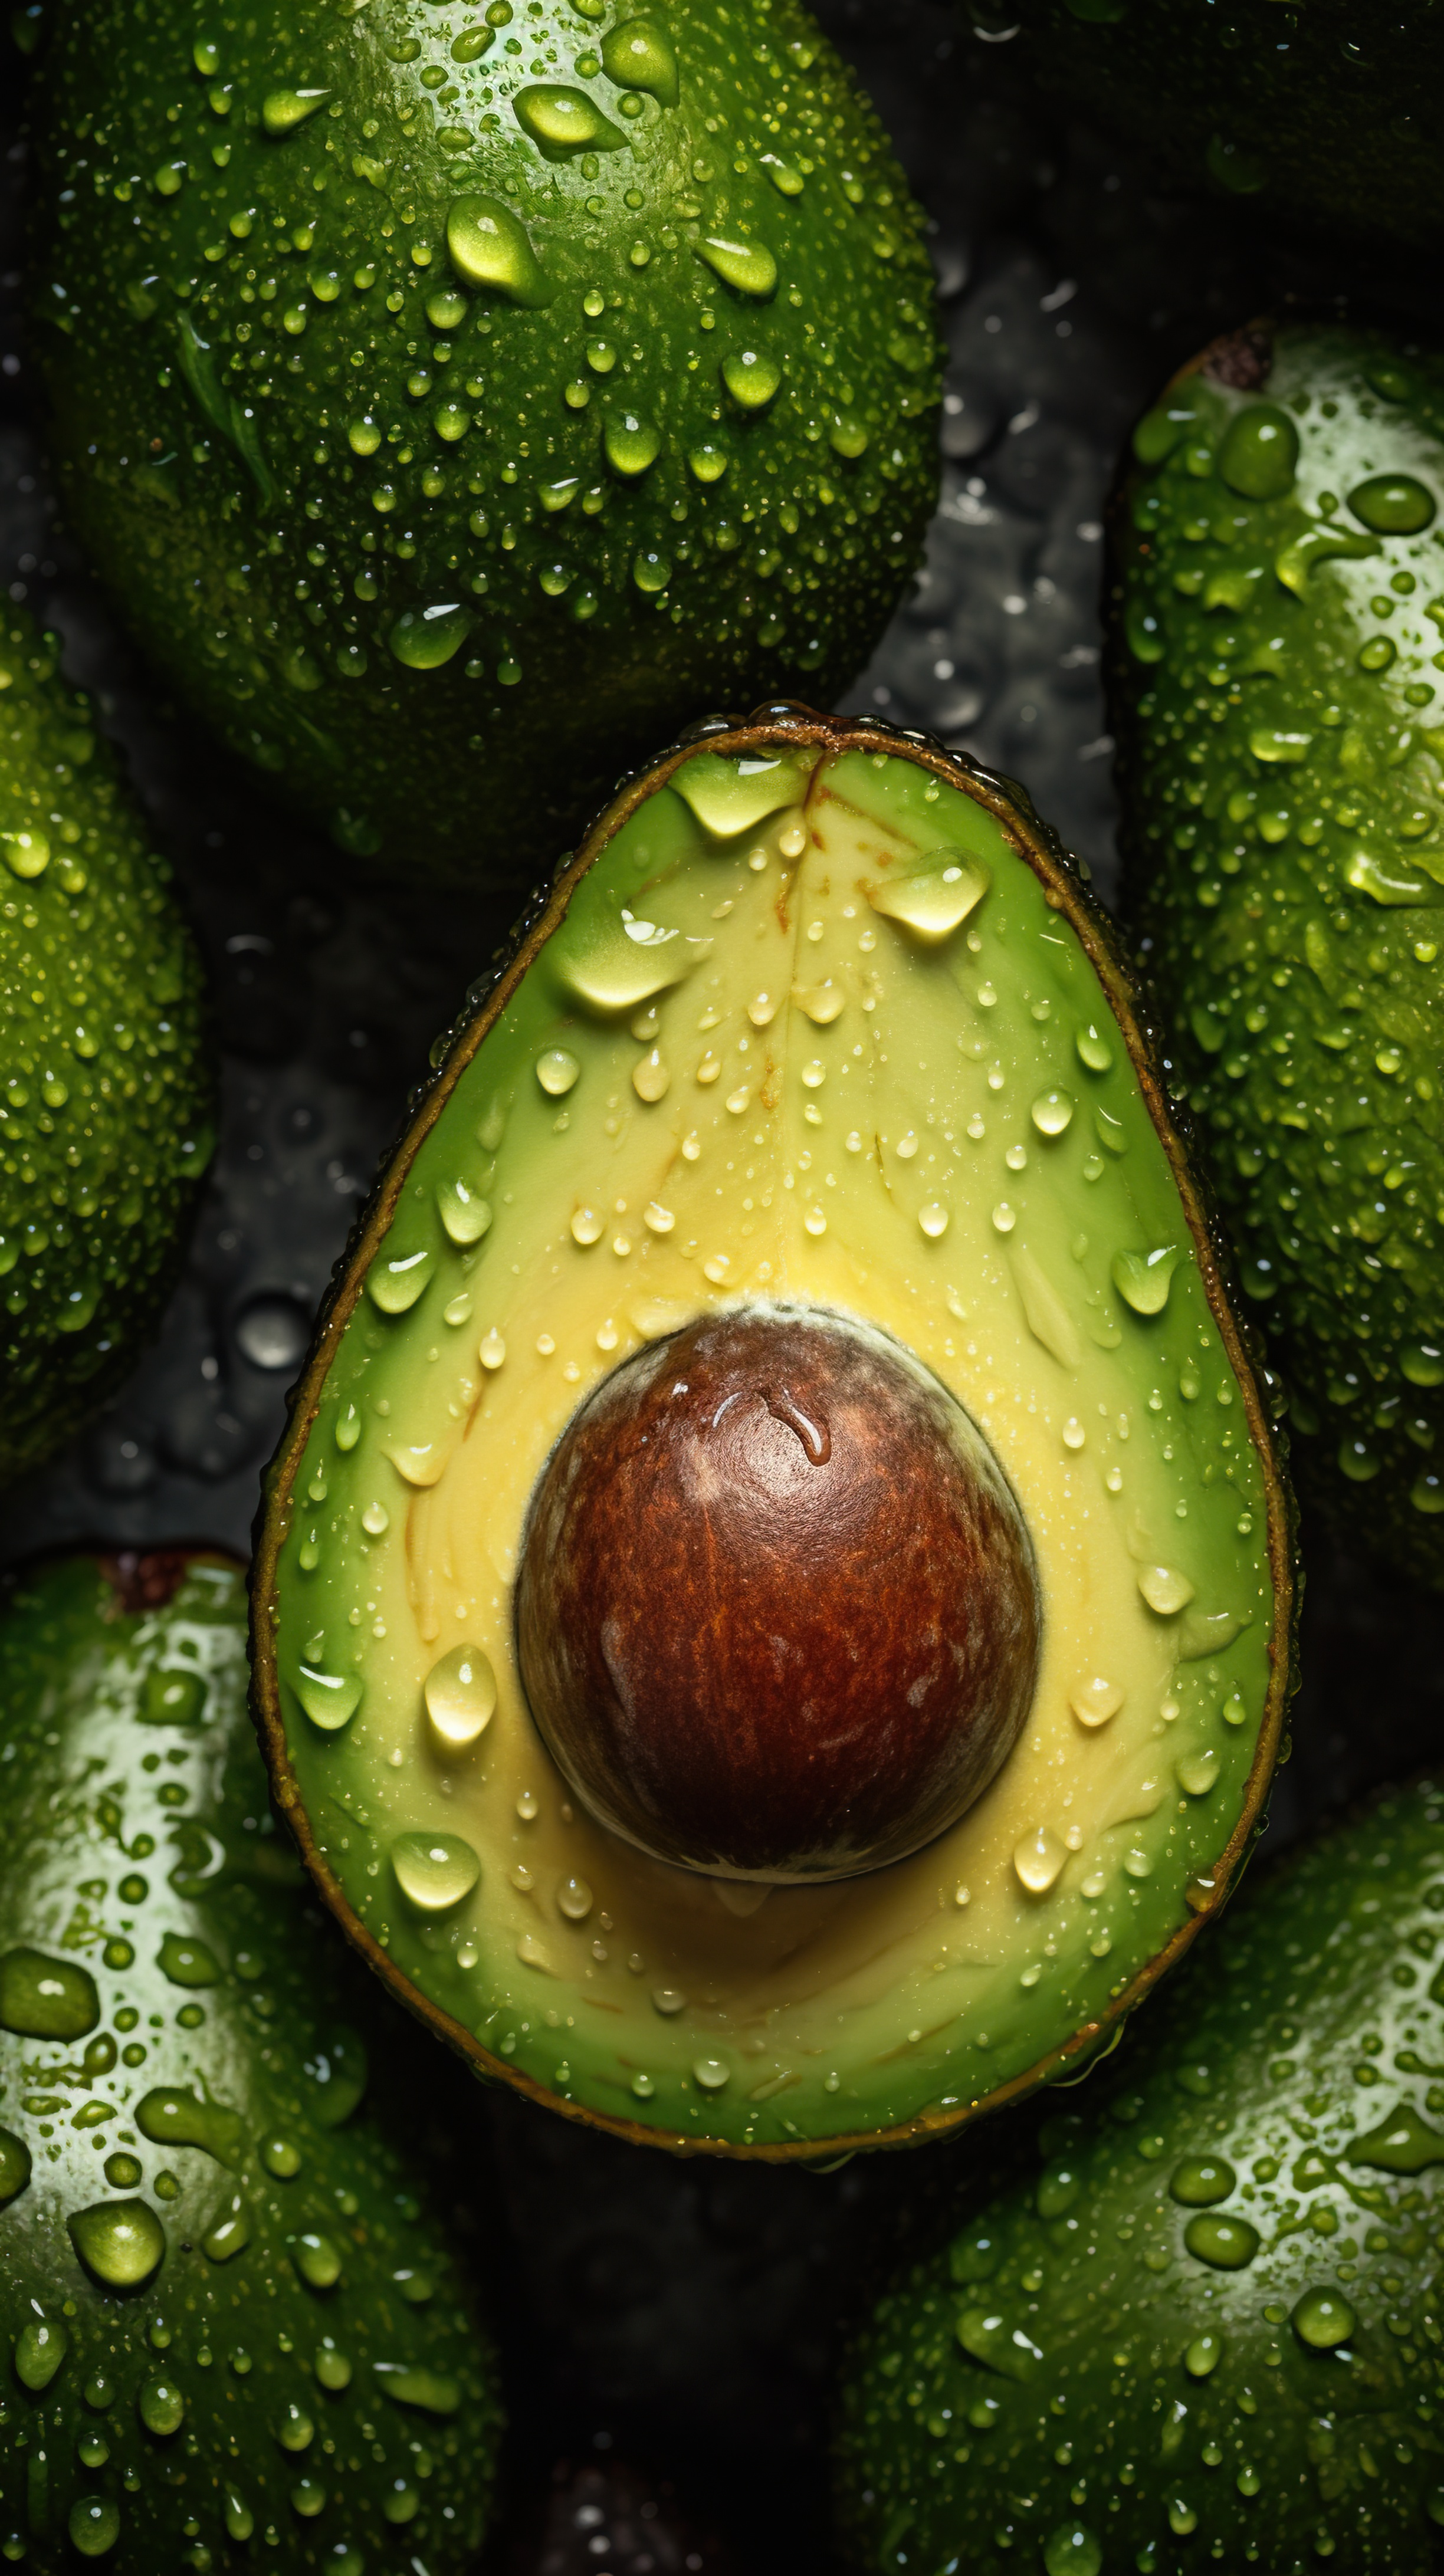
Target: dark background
{"points": [[686, 2317]]}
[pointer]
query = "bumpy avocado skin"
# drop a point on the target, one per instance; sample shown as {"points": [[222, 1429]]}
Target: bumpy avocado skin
{"points": [[1098, 2372], [382, 521], [874, 1052], [1277, 704], [300, 2371], [1326, 113], [107, 1090]]}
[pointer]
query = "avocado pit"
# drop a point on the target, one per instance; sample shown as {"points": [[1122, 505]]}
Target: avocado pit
{"points": [[778, 1613]]}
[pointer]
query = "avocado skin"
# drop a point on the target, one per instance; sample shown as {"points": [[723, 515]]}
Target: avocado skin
{"points": [[1307, 1009], [216, 487], [105, 1125], [1109, 2450], [1328, 114], [77, 1662]]}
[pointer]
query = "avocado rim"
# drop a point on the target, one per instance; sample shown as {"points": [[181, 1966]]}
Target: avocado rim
{"points": [[779, 727]]}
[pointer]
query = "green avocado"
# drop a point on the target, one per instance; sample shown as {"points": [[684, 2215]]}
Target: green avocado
{"points": [[226, 2319], [418, 372], [1205, 2328], [819, 1030], [105, 1085], [1328, 109], [1280, 716]]}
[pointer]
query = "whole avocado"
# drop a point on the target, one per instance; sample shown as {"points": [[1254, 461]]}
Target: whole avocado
{"points": [[422, 377], [226, 2319], [1277, 701], [105, 1086], [1327, 111], [1206, 2327]]}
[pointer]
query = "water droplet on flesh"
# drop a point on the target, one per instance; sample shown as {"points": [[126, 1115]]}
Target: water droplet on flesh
{"points": [[435, 1871], [328, 1699], [460, 1695], [1038, 1860], [119, 2241]]}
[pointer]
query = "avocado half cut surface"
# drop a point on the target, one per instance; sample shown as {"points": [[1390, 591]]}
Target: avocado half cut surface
{"points": [[227, 2319], [1279, 553], [1204, 2327], [438, 368], [814, 1088], [106, 1091]]}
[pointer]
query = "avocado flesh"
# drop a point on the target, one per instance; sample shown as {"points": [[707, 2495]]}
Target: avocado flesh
{"points": [[105, 1090], [771, 1039], [1277, 704], [1328, 120], [180, 2059], [397, 419], [1205, 2326]]}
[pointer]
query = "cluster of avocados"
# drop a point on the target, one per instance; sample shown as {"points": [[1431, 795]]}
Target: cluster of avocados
{"points": [[773, 1613]]}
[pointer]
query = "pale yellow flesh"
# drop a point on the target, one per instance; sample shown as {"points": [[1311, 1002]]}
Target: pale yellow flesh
{"points": [[885, 1162]]}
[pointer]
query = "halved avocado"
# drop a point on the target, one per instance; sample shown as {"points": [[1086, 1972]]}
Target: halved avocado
{"points": [[818, 1045]]}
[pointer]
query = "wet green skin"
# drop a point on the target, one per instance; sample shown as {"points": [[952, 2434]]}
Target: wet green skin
{"points": [[1068, 2385], [141, 1851], [105, 1086], [364, 438], [883, 1158], [1282, 771], [1329, 109]]}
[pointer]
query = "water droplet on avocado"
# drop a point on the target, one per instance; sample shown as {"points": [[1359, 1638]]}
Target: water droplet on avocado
{"points": [[410, 2384], [1198, 1773], [562, 120], [395, 1282], [348, 1429], [752, 377], [465, 1216], [26, 854], [171, 1697], [1228, 2244], [631, 443], [1393, 505], [40, 2348], [932, 896], [329, 1699], [1095, 1701], [1201, 2180], [1071, 2550], [1038, 1859], [229, 2232], [43, 1998], [1143, 1279], [1164, 1589], [1402, 2144], [160, 2404], [558, 1072], [708, 460], [933, 1219], [295, 2430], [749, 267], [332, 2368], [1323, 2319], [1260, 453], [119, 2241], [574, 1899], [639, 54], [710, 2074], [1094, 1050], [460, 1695], [435, 1871], [318, 2260], [171, 2117], [488, 247], [425, 638], [1203, 2355], [187, 1962], [94, 2525], [240, 2522], [1051, 1112], [14, 2166]]}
